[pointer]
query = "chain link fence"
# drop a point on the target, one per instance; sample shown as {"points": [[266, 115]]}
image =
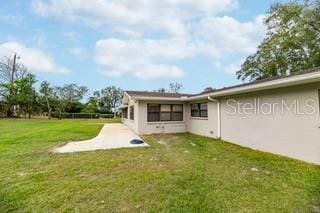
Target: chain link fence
{"points": [[81, 115]]}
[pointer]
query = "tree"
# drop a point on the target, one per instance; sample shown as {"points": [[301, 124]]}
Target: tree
{"points": [[111, 97], [75, 107], [20, 95], [10, 71], [74, 93], [208, 89], [68, 97], [161, 90], [292, 42], [89, 108], [25, 94], [60, 100], [175, 87], [47, 94]]}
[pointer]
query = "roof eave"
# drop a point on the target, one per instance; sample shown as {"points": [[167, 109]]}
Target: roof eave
{"points": [[286, 82], [145, 98]]}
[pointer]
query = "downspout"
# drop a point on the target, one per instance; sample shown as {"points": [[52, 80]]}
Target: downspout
{"points": [[219, 114]]}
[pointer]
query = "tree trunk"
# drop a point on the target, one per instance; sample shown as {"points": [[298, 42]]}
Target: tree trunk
{"points": [[9, 112], [60, 114], [49, 108]]}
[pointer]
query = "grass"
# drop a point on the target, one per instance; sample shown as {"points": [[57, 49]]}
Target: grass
{"points": [[178, 173]]}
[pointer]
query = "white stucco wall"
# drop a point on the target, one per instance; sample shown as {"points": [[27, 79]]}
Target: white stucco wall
{"points": [[288, 134], [204, 126], [146, 127]]}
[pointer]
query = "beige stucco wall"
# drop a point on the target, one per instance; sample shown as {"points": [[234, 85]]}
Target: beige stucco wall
{"points": [[146, 127], [288, 134], [204, 126], [132, 124]]}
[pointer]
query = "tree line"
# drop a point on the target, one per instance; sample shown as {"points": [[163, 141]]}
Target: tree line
{"points": [[19, 95]]}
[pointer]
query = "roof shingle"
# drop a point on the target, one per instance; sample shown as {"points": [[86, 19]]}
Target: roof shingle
{"points": [[156, 94]]}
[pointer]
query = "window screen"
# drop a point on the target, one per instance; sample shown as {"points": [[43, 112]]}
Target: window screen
{"points": [[132, 112], [199, 110], [204, 110], [125, 113], [165, 112], [195, 110], [177, 112], [153, 112]]}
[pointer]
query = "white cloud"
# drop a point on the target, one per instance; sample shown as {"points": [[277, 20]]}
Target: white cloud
{"points": [[184, 29], [34, 59], [165, 15], [141, 58], [231, 68], [216, 37], [231, 35]]}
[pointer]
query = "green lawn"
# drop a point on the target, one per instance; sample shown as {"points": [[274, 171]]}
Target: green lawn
{"points": [[178, 173]]}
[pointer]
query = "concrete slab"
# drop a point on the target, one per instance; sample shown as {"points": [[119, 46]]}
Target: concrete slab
{"points": [[111, 136]]}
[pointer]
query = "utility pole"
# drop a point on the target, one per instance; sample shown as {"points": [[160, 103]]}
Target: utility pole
{"points": [[13, 66], [11, 107]]}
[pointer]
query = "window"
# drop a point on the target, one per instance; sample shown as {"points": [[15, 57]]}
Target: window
{"points": [[177, 112], [132, 113], [319, 100], [125, 113], [195, 112], [153, 112], [165, 112], [199, 110], [204, 110]]}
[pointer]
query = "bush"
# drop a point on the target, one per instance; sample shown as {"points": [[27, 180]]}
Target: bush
{"points": [[106, 115]]}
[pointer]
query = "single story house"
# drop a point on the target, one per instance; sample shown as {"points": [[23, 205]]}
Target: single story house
{"points": [[279, 115]]}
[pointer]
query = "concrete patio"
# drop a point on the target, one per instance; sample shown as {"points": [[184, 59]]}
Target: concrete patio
{"points": [[111, 136]]}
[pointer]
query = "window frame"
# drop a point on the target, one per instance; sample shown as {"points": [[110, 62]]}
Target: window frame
{"points": [[125, 113], [198, 111], [159, 112], [131, 109], [319, 102]]}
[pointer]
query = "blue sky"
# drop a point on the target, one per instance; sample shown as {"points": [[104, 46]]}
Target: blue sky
{"points": [[136, 45]]}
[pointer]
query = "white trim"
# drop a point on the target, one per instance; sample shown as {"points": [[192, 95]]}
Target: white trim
{"points": [[289, 81], [146, 98], [127, 94], [198, 118], [123, 106], [166, 122]]}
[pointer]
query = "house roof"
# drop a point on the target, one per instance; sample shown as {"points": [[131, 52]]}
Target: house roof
{"points": [[156, 94], [306, 71], [306, 76]]}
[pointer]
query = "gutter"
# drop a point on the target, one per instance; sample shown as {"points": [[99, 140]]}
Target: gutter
{"points": [[219, 114], [260, 86]]}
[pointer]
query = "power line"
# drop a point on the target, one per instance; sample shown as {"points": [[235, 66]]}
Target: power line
{"points": [[14, 52]]}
